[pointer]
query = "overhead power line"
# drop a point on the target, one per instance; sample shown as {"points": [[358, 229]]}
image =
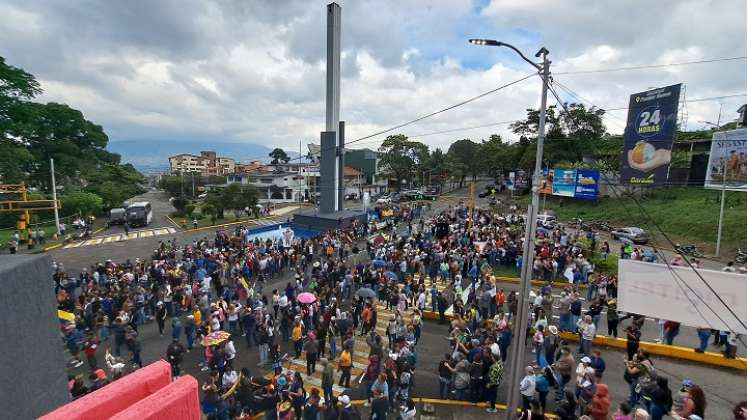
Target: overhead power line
{"points": [[652, 66], [472, 99], [421, 118]]}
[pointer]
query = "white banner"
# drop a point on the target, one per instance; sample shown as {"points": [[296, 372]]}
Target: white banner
{"points": [[656, 291]]}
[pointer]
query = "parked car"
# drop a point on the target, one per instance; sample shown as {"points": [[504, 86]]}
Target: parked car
{"points": [[351, 196], [202, 196], [635, 234], [384, 199], [547, 221], [117, 216]]}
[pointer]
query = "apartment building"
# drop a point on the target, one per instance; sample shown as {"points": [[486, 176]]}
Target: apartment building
{"points": [[207, 163]]}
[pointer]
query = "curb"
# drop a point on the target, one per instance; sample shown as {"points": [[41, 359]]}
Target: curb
{"points": [[672, 352], [536, 282], [176, 225], [51, 247], [455, 403]]}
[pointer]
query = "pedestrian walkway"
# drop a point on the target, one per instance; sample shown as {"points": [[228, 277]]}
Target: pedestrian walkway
{"points": [[137, 234]]}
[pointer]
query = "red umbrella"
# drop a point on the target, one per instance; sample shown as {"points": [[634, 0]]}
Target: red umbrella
{"points": [[306, 298]]}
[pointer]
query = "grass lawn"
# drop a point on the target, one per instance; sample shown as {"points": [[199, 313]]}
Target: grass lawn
{"points": [[688, 215]]}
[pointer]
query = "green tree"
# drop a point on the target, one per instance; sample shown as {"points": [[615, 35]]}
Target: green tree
{"points": [[84, 202], [464, 158], [570, 135], [278, 155], [215, 202], [31, 133], [212, 211], [402, 157], [239, 197]]}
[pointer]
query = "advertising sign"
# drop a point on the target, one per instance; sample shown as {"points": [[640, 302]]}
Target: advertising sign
{"points": [[546, 181], [521, 181], [587, 184], [652, 121], [729, 157], [564, 182], [677, 293]]}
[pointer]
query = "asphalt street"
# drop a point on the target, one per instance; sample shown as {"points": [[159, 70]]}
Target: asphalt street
{"points": [[724, 387]]}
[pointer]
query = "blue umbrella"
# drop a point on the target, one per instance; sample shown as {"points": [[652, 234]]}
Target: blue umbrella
{"points": [[379, 263], [391, 274]]}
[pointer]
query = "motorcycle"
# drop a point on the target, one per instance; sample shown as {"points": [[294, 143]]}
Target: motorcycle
{"points": [[741, 256], [690, 250]]}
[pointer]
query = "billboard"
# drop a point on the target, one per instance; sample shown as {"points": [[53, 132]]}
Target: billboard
{"points": [[546, 181], [652, 121], [727, 163], [587, 184], [677, 293], [564, 182]]}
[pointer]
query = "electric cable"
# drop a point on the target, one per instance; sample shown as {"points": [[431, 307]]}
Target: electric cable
{"points": [[653, 66], [684, 257]]}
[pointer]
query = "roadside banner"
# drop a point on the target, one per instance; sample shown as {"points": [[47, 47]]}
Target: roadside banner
{"points": [[678, 294], [728, 156], [650, 128], [587, 184], [564, 182], [546, 181]]}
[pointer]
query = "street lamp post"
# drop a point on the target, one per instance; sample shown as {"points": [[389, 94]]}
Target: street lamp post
{"points": [[517, 354]]}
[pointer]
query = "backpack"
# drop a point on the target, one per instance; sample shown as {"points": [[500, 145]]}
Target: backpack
{"points": [[353, 413], [412, 359], [345, 359], [404, 379], [576, 307], [495, 374]]}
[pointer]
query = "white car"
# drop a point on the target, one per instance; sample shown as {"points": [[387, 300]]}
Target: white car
{"points": [[201, 196], [384, 200]]}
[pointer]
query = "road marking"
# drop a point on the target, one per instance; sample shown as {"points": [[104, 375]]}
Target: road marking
{"points": [[117, 237]]}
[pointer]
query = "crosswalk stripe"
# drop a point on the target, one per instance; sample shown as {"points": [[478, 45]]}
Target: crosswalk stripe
{"points": [[145, 234], [171, 230], [161, 231]]}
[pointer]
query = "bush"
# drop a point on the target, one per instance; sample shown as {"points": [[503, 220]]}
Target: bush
{"points": [[605, 266]]}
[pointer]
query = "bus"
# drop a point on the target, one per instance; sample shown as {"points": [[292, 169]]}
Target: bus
{"points": [[139, 214]]}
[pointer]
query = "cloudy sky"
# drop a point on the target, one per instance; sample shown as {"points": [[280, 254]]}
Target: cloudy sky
{"points": [[253, 71]]}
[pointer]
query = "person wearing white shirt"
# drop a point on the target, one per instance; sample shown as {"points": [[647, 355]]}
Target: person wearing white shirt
{"points": [[527, 387], [421, 301]]}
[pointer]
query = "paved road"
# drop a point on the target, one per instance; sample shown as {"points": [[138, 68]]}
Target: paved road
{"points": [[723, 387]]}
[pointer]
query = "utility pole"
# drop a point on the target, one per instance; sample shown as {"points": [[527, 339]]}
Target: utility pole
{"points": [[723, 195], [54, 197], [300, 159], [517, 353]]}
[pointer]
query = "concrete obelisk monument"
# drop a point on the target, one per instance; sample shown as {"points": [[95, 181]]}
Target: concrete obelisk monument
{"points": [[331, 213]]}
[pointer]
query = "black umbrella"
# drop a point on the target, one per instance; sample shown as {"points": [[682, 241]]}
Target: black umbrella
{"points": [[365, 293]]}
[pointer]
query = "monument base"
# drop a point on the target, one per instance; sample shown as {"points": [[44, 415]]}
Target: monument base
{"points": [[314, 219]]}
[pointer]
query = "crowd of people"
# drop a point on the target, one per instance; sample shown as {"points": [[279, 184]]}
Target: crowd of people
{"points": [[330, 307]]}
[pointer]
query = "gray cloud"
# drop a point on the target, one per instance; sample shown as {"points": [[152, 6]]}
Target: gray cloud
{"points": [[253, 71]]}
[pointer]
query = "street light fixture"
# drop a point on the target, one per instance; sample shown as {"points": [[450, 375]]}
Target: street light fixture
{"points": [[517, 354]]}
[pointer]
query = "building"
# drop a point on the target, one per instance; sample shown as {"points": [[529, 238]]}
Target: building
{"points": [[364, 161], [292, 182], [207, 163]]}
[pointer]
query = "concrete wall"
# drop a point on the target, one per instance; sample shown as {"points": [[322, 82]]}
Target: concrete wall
{"points": [[33, 381]]}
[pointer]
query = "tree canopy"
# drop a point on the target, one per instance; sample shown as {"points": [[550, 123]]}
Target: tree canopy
{"points": [[31, 133], [278, 155]]}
